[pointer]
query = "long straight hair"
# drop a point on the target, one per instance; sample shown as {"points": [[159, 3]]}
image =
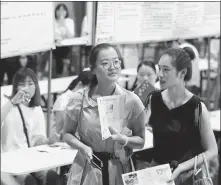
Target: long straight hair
{"points": [[19, 77]]}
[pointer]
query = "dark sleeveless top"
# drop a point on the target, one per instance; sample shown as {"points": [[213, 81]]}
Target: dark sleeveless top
{"points": [[175, 132]]}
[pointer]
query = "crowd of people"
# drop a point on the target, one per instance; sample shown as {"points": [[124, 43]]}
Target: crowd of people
{"points": [[178, 118]]}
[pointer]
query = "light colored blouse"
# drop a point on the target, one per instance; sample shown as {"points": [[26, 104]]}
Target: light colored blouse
{"points": [[60, 105], [12, 133], [61, 31], [62, 101], [89, 130], [89, 122]]}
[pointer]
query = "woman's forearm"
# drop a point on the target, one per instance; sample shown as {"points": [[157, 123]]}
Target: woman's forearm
{"points": [[5, 110], [40, 140], [73, 141], [134, 142], [187, 165]]}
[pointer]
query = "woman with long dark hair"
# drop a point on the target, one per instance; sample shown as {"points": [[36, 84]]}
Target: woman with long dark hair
{"points": [[23, 124]]}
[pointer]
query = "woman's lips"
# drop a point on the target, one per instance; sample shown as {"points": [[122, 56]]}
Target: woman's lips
{"points": [[162, 82], [112, 74]]}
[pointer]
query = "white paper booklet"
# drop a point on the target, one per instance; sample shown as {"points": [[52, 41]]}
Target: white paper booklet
{"points": [[111, 111], [158, 175]]}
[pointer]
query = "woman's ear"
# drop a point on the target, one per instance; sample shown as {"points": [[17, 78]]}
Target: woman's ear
{"points": [[183, 72]]}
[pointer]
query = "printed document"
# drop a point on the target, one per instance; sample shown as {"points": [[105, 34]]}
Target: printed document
{"points": [[158, 175], [111, 111]]}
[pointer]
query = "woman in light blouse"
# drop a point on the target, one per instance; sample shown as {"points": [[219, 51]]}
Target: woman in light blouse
{"points": [[23, 124], [82, 112], [64, 29]]}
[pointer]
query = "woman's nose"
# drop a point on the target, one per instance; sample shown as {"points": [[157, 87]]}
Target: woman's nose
{"points": [[160, 73], [111, 66]]}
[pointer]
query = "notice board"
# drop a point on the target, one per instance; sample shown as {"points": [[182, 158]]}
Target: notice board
{"points": [[138, 22], [26, 27]]}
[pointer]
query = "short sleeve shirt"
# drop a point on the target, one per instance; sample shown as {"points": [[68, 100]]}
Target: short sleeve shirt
{"points": [[87, 116]]}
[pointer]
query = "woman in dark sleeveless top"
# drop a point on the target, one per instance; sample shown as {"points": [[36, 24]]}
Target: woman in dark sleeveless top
{"points": [[180, 122]]}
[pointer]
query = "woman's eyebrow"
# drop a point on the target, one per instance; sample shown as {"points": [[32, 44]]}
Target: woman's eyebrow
{"points": [[104, 59], [108, 58], [163, 66]]}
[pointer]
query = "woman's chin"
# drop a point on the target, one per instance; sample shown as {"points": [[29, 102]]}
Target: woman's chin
{"points": [[113, 78], [163, 86]]}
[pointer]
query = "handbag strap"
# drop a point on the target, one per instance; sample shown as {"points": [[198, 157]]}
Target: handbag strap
{"points": [[24, 126], [195, 164], [206, 165], [132, 165], [195, 167], [81, 110]]}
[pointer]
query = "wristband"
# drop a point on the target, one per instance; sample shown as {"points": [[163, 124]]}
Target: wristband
{"points": [[126, 142]]}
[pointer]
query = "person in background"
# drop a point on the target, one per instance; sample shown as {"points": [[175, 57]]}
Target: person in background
{"points": [[82, 113], [84, 26], [64, 29], [60, 104], [23, 124], [64, 26], [7, 179], [180, 121], [59, 107], [26, 61], [146, 70], [7, 66]]}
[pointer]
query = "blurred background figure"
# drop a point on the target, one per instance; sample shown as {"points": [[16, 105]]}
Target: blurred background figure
{"points": [[26, 61], [146, 70], [7, 179], [84, 26], [8, 67], [64, 29], [83, 80], [58, 113], [64, 26]]}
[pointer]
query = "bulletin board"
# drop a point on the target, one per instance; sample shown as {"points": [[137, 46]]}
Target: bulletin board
{"points": [[139, 22], [26, 27]]}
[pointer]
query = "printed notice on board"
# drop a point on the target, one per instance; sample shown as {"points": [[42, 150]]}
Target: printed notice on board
{"points": [[26, 27], [158, 175], [111, 110], [130, 22]]}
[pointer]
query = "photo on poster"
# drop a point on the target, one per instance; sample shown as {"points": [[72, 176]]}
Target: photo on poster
{"points": [[131, 179], [73, 23]]}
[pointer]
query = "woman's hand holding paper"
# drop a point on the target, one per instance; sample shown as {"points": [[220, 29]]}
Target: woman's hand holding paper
{"points": [[117, 136], [176, 173]]}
